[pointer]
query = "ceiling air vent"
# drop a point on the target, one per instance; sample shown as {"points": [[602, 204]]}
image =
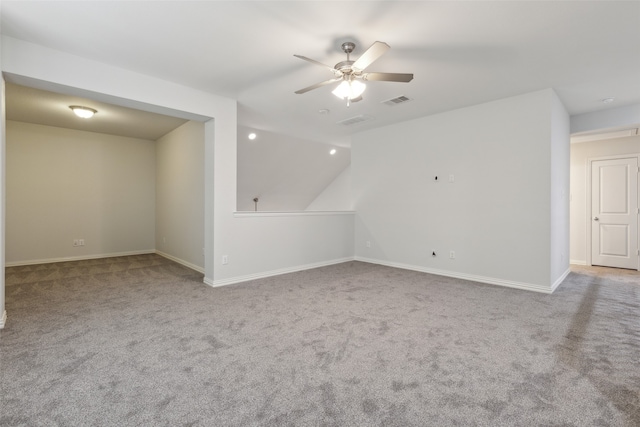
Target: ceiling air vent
{"points": [[395, 101], [355, 120]]}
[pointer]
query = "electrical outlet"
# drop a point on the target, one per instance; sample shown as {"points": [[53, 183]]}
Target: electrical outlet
{"points": [[452, 255], [225, 260], [368, 243]]}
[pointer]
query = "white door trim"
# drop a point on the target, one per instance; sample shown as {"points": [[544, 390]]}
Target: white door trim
{"points": [[590, 161]]}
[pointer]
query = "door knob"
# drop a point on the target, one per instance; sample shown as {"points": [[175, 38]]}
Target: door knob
{"points": [[596, 219]]}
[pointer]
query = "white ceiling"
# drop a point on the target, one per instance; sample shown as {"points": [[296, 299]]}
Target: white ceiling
{"points": [[461, 53], [26, 104]]}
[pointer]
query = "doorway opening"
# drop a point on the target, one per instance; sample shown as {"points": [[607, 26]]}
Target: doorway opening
{"points": [[206, 188]]}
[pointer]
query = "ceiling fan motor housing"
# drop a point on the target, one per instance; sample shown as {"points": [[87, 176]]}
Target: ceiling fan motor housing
{"points": [[347, 47], [344, 67]]}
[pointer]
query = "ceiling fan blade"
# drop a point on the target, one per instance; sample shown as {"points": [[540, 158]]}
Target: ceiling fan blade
{"points": [[388, 77], [375, 51], [313, 61], [317, 85]]}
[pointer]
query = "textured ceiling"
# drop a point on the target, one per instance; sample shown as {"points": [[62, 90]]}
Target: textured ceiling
{"points": [[461, 53]]}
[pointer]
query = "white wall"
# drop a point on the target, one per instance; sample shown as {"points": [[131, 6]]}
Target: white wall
{"points": [[337, 196], [626, 116], [496, 213], [180, 195], [559, 191], [3, 313], [580, 155], [65, 184], [261, 245]]}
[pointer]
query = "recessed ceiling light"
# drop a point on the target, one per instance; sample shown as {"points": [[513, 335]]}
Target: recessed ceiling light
{"points": [[608, 100], [252, 136], [84, 112], [333, 151]]}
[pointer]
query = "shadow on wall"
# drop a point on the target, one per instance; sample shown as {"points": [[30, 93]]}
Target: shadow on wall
{"points": [[278, 173]]}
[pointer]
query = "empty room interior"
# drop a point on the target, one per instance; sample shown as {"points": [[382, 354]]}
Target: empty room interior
{"points": [[320, 213]]}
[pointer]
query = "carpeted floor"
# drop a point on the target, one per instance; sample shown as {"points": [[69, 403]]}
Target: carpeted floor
{"points": [[142, 341]]}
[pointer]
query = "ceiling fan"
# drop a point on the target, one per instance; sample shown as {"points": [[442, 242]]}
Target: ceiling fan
{"points": [[351, 73]]}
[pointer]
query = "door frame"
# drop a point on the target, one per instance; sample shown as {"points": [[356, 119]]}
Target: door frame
{"points": [[588, 189]]}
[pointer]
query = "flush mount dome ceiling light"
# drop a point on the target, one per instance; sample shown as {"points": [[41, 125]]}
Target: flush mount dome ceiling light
{"points": [[351, 74], [84, 112]]}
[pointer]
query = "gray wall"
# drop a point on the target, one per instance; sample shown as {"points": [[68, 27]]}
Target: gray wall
{"points": [[179, 226], [65, 184]]}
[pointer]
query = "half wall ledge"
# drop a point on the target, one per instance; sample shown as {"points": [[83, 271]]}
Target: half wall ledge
{"points": [[249, 214]]}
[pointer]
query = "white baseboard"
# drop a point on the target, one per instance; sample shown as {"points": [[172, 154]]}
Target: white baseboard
{"points": [[471, 277], [577, 262], [240, 279], [3, 319], [560, 280], [78, 258], [181, 261]]}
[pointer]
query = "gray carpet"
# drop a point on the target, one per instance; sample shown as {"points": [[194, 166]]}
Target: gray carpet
{"points": [[142, 341]]}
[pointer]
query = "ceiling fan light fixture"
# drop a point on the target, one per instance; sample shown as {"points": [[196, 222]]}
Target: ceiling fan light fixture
{"points": [[351, 73], [84, 112], [349, 89]]}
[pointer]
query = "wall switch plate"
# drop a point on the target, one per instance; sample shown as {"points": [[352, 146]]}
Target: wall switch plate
{"points": [[452, 255], [368, 243], [452, 178], [225, 260]]}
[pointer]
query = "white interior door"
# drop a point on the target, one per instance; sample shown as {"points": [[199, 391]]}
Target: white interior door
{"points": [[614, 213]]}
